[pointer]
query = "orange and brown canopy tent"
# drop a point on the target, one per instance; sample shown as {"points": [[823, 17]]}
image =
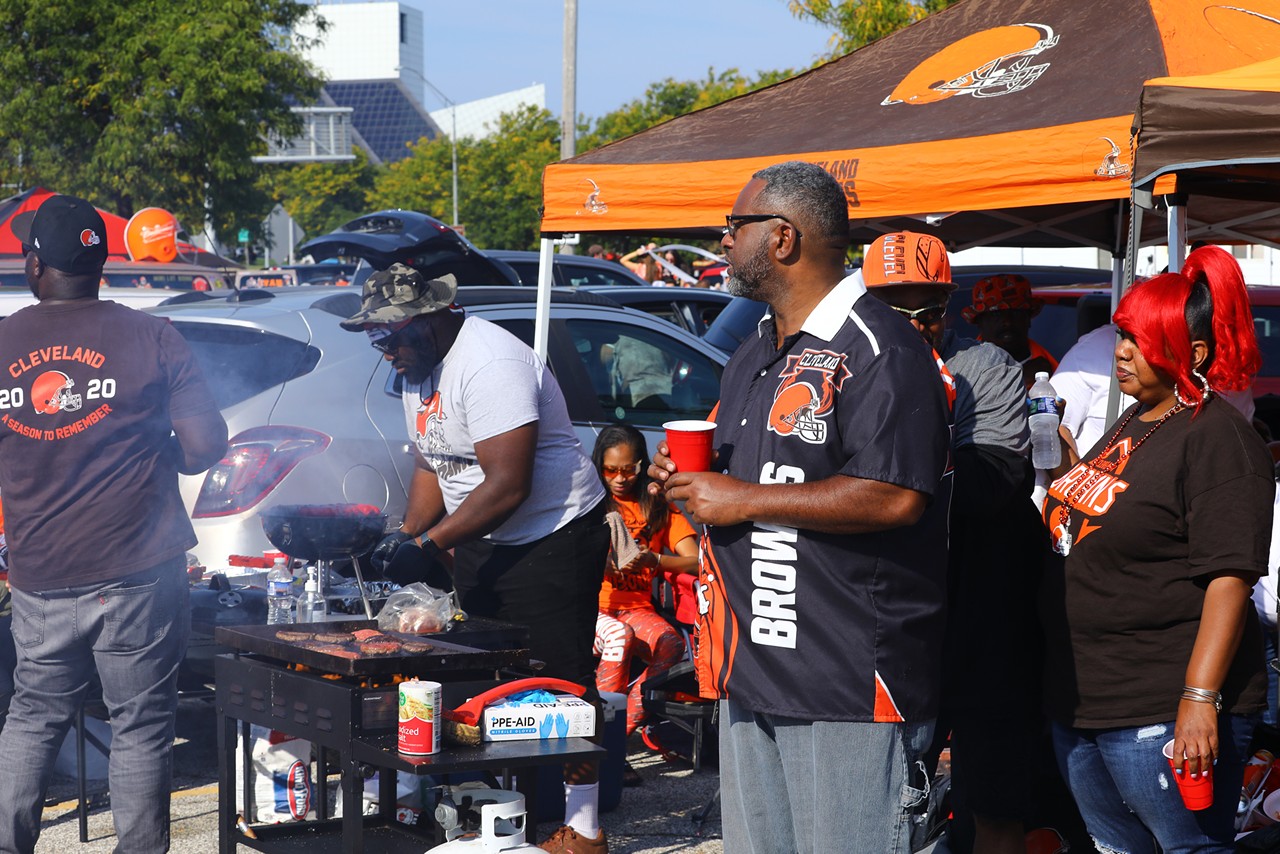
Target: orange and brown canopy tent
{"points": [[1002, 122], [1219, 135]]}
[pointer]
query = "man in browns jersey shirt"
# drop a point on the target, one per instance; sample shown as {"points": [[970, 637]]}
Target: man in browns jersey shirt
{"points": [[822, 582]]}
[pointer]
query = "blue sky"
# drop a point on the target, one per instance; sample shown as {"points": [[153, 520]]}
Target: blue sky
{"points": [[485, 47]]}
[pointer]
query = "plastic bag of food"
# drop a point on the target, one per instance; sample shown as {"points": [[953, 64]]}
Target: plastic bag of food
{"points": [[418, 609]]}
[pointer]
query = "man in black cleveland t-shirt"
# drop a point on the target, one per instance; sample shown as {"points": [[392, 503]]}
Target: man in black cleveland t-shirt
{"points": [[100, 409]]}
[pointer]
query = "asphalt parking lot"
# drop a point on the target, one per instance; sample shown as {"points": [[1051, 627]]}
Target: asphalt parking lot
{"points": [[653, 818]]}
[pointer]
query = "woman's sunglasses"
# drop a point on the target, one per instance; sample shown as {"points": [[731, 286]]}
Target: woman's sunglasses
{"points": [[627, 471]]}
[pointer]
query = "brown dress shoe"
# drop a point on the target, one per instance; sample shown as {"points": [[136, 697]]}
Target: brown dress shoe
{"points": [[566, 840]]}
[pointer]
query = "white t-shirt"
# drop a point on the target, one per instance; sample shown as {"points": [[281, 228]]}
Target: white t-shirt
{"points": [[490, 383]]}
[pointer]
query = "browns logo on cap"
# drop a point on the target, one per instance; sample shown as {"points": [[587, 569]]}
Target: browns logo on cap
{"points": [[66, 233], [906, 258]]}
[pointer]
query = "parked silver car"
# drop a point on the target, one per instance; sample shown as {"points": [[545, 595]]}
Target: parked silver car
{"points": [[315, 415]]}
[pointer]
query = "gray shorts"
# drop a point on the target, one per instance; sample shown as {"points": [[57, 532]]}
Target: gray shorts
{"points": [[791, 785]]}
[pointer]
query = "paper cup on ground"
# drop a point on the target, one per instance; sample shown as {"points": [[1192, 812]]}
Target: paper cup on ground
{"points": [[1197, 792], [689, 444]]}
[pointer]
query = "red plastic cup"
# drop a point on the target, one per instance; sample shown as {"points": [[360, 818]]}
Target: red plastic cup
{"points": [[1197, 792], [689, 444]]}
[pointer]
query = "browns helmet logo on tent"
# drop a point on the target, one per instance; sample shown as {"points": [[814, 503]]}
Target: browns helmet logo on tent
{"points": [[986, 64]]}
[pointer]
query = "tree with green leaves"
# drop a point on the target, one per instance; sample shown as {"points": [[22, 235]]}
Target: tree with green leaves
{"points": [[322, 196], [151, 102], [499, 179], [860, 22]]}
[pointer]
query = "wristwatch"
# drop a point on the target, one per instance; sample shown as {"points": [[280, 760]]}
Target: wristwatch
{"points": [[429, 547]]}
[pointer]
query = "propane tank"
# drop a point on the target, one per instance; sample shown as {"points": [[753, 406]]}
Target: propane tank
{"points": [[501, 825]]}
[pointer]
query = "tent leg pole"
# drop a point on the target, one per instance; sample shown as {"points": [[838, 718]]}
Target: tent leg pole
{"points": [[1177, 237], [542, 316]]}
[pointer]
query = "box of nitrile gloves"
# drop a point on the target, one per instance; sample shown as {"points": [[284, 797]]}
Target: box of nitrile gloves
{"points": [[567, 717]]}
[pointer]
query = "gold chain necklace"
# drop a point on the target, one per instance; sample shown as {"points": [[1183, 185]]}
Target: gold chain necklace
{"points": [[1100, 466]]}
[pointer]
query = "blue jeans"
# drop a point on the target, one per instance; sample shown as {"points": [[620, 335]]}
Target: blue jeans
{"points": [[791, 785], [134, 631], [1127, 795]]}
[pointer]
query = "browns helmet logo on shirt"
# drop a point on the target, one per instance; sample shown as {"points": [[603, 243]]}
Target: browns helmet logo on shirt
{"points": [[806, 394], [432, 409], [51, 393]]}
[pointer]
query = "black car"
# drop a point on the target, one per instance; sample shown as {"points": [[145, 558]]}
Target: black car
{"points": [[425, 243], [570, 271]]}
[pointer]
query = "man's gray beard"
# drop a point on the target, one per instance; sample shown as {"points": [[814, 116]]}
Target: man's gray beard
{"points": [[750, 280]]}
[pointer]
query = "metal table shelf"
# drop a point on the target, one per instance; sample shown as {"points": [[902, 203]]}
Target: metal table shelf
{"points": [[353, 722]]}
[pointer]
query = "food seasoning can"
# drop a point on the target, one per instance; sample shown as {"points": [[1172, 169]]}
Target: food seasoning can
{"points": [[419, 717]]}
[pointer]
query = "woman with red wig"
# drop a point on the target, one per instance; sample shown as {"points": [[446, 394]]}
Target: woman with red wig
{"points": [[1161, 530]]}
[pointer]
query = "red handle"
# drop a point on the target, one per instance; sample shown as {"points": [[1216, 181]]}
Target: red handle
{"points": [[469, 712]]}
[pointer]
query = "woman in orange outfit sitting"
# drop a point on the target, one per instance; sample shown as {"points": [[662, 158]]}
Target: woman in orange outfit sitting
{"points": [[628, 624]]}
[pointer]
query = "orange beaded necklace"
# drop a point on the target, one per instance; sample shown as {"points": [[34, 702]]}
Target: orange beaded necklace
{"points": [[1100, 466]]}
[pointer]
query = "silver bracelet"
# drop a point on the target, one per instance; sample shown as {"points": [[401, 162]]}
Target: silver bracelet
{"points": [[1202, 695]]}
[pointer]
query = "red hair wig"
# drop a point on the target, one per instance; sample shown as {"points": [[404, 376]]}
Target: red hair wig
{"points": [[1157, 315]]}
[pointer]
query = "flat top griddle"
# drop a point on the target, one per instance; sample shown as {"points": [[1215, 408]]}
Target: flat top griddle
{"points": [[444, 656]]}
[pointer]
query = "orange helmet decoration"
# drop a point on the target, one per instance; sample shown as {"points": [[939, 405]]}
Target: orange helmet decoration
{"points": [[988, 63], [152, 235]]}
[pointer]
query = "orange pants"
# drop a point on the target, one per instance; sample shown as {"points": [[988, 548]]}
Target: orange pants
{"points": [[638, 631]]}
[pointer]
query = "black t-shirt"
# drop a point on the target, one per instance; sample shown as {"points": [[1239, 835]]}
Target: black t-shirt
{"points": [[1122, 611], [87, 467]]}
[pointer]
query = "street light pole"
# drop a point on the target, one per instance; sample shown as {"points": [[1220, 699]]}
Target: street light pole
{"points": [[453, 135]]}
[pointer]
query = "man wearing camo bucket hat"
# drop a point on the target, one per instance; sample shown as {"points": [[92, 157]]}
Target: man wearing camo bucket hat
{"points": [[502, 481]]}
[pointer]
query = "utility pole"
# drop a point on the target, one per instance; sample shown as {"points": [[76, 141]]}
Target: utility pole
{"points": [[569, 83], [569, 109]]}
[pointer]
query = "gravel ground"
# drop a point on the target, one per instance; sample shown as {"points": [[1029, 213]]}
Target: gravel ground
{"points": [[653, 818]]}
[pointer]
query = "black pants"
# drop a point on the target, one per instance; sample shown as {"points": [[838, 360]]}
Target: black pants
{"points": [[552, 586]]}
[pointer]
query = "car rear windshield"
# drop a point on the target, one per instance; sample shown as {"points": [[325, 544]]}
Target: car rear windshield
{"points": [[239, 363]]}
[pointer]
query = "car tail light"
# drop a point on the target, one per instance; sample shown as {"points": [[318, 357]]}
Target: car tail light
{"points": [[256, 461]]}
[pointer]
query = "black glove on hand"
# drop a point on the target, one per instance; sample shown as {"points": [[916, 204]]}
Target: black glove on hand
{"points": [[385, 550]]}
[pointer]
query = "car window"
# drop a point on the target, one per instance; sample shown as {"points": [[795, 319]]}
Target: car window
{"points": [[661, 310], [579, 276], [643, 376], [213, 280], [1266, 324], [239, 363], [526, 270]]}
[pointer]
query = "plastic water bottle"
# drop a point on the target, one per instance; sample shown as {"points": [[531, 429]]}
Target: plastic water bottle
{"points": [[311, 605], [1042, 415], [279, 593]]}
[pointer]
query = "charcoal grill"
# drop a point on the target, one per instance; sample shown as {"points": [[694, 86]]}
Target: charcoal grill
{"points": [[325, 533]]}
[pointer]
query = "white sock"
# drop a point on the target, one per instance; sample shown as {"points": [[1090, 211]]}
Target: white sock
{"points": [[581, 808]]}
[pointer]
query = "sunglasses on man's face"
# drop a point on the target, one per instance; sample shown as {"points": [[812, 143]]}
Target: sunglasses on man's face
{"points": [[27, 250], [928, 315], [389, 344], [732, 222]]}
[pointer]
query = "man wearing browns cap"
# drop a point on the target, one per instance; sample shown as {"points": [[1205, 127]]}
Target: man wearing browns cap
{"points": [[1002, 310], [989, 697], [821, 581], [102, 407], [502, 480]]}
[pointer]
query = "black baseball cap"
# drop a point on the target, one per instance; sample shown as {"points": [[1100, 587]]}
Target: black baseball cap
{"points": [[65, 232]]}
